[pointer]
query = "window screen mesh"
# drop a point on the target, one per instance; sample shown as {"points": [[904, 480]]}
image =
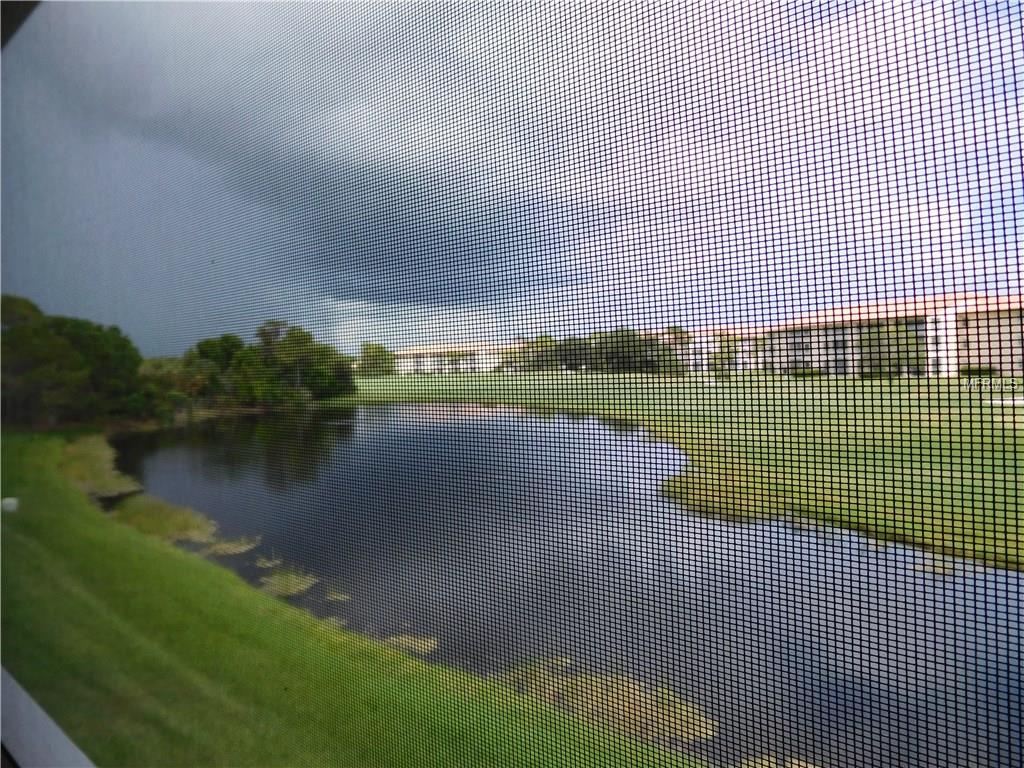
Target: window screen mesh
{"points": [[516, 384]]}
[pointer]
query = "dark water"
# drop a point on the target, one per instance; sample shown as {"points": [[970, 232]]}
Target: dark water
{"points": [[512, 537]]}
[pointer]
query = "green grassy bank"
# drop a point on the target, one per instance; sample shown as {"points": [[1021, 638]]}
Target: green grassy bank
{"points": [[148, 655], [934, 462]]}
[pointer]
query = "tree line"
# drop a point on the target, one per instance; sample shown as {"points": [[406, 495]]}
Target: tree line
{"points": [[885, 350], [618, 351], [621, 351], [61, 369], [64, 370], [286, 367]]}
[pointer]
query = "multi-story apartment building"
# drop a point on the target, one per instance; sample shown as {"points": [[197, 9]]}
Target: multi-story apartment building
{"points": [[938, 335], [456, 358], [946, 335]]}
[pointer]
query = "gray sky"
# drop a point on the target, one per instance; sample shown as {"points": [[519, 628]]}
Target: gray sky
{"points": [[416, 172]]}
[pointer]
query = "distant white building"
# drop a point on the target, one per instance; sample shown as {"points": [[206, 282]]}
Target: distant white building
{"points": [[456, 358], [958, 334]]}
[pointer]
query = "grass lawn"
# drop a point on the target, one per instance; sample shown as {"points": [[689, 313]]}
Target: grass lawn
{"points": [[927, 461], [149, 655]]}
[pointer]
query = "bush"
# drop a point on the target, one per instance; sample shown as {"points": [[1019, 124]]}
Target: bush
{"points": [[296, 399], [979, 371], [62, 369], [376, 360], [806, 373]]}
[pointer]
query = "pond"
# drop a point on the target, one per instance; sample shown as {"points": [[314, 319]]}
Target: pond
{"points": [[497, 537]]}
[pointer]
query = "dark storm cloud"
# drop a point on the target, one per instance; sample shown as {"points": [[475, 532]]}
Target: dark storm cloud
{"points": [[319, 132], [416, 171]]}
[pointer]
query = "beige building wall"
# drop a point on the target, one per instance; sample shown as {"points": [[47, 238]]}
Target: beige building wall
{"points": [[448, 360], [943, 350], [991, 340], [959, 332]]}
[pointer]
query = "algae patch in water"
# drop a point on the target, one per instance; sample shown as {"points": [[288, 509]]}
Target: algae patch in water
{"points": [[616, 701], [268, 562], [156, 517], [233, 546], [287, 583]]}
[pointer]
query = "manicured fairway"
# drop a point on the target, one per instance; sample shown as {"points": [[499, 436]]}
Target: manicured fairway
{"points": [[150, 656], [934, 462]]}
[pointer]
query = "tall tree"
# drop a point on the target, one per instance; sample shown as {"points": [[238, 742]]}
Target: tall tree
{"points": [[252, 379], [328, 374], [293, 355], [540, 354], [625, 350], [269, 334], [375, 360], [220, 350], [17, 310], [574, 354], [164, 382], [287, 367], [43, 376], [64, 368], [113, 363]]}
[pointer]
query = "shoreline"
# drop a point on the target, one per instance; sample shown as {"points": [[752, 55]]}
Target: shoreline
{"points": [[895, 475], [191, 531], [721, 484], [140, 606]]}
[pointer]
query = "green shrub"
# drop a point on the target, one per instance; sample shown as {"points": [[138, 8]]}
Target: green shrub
{"points": [[979, 371], [163, 520]]}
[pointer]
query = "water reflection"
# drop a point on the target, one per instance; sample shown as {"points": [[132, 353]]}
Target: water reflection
{"points": [[286, 450], [510, 538]]}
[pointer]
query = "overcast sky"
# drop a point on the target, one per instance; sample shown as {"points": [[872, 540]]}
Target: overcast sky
{"points": [[440, 171]]}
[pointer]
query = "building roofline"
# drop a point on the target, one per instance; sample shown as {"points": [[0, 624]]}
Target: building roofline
{"points": [[874, 311], [441, 349], [849, 314]]}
